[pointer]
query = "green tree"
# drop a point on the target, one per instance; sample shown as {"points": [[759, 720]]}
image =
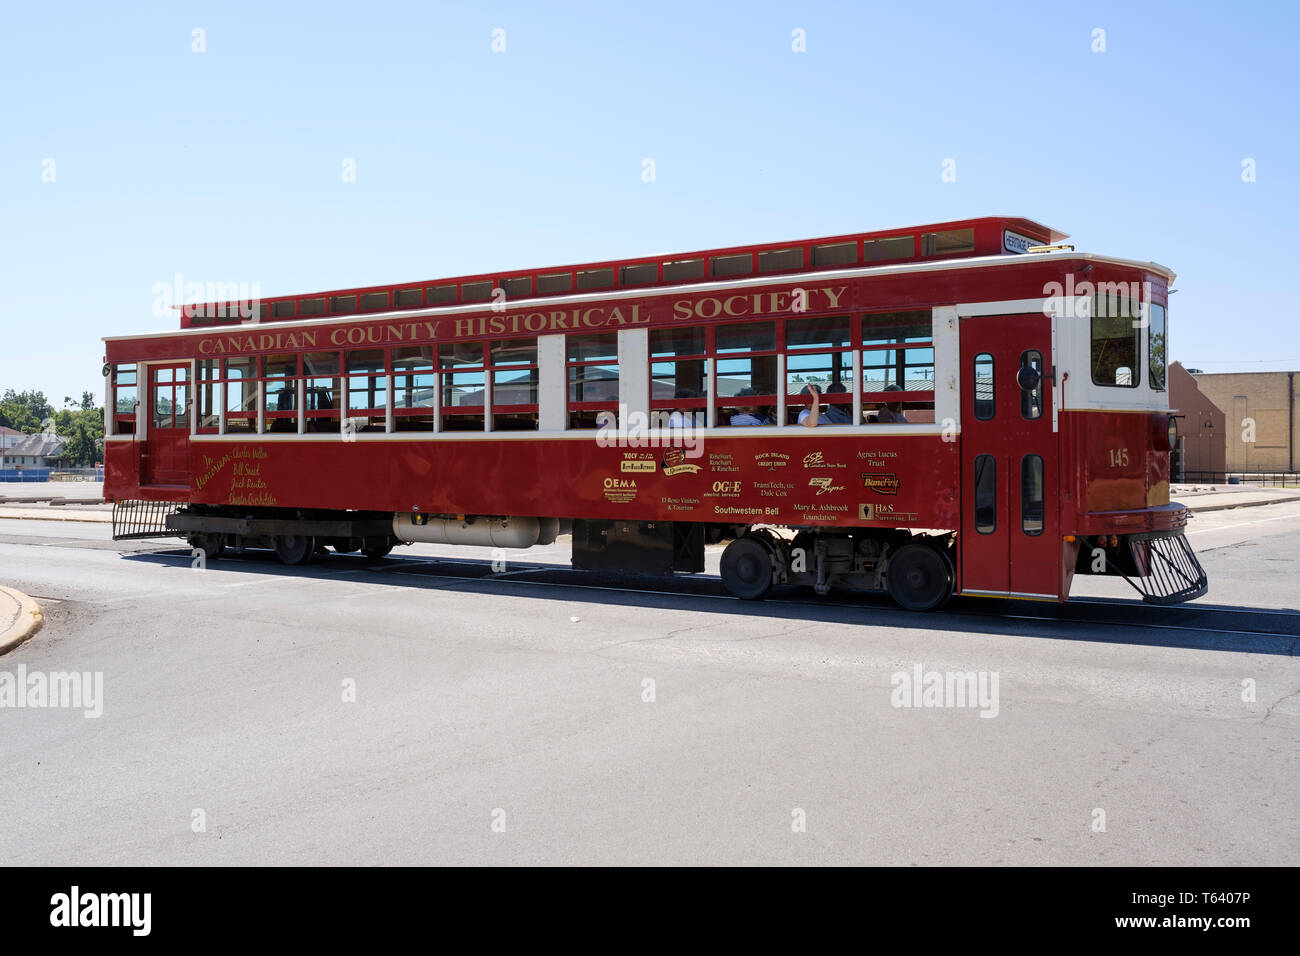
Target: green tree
{"points": [[82, 448], [25, 411], [68, 419], [83, 427]]}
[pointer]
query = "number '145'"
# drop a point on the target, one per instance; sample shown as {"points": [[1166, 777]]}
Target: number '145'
{"points": [[1118, 457]]}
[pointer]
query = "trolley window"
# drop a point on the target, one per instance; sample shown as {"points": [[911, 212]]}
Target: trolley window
{"points": [[1115, 331], [592, 362], [206, 387], [125, 399], [241, 395], [323, 394], [678, 391], [514, 384], [982, 383], [464, 385], [898, 357], [1157, 356], [1031, 400], [367, 407], [986, 494], [414, 388], [280, 412], [947, 243], [170, 398], [819, 353], [1031, 495], [745, 367]]}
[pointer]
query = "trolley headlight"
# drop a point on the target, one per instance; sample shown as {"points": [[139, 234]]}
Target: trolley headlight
{"points": [[1173, 432]]}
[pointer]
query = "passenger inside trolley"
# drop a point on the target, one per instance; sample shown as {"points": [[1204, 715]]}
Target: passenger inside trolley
{"points": [[815, 414], [749, 415], [890, 412], [679, 417]]}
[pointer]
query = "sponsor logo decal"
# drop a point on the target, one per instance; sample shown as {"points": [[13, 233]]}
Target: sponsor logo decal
{"points": [[824, 486], [620, 490], [816, 460], [675, 463], [882, 483]]}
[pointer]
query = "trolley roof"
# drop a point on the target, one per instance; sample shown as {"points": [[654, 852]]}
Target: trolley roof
{"points": [[964, 238]]}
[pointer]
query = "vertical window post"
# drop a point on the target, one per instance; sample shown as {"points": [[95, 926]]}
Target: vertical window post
{"points": [[392, 385], [781, 389], [857, 376], [487, 391], [437, 393], [711, 392]]}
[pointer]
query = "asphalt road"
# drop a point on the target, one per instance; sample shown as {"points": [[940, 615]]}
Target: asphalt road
{"points": [[520, 699]]}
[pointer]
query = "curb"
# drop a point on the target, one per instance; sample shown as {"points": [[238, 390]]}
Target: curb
{"points": [[1240, 504], [30, 619]]}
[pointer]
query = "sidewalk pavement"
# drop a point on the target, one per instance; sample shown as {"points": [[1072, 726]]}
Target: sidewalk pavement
{"points": [[20, 618], [1201, 498], [56, 513]]}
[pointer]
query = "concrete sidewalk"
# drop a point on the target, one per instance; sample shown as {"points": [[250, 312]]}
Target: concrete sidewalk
{"points": [[20, 618], [1199, 498], [57, 513]]}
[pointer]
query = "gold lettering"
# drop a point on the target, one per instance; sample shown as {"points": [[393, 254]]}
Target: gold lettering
{"points": [[726, 305], [834, 295], [778, 301], [681, 309]]}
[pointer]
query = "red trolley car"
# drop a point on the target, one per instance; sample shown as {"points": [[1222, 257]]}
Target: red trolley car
{"points": [[967, 408]]}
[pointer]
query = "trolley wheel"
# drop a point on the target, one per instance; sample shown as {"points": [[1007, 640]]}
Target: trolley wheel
{"points": [[747, 568], [919, 578], [377, 552], [345, 545], [295, 548], [212, 545]]}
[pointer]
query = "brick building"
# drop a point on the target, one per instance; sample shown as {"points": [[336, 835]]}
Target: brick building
{"points": [[1202, 433], [1261, 417]]}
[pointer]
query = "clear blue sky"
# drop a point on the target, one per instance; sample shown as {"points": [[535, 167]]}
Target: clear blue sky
{"points": [[226, 165]]}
